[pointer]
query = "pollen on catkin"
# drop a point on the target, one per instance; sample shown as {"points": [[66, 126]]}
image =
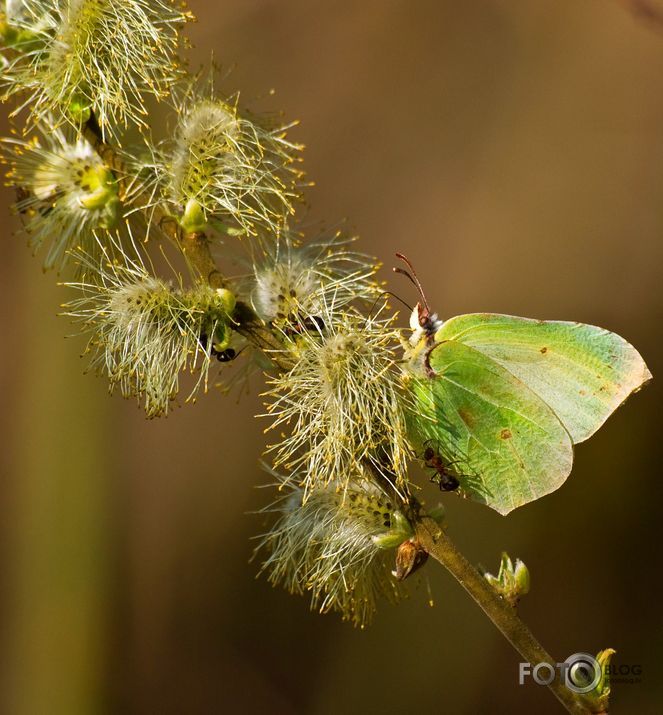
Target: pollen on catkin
{"points": [[290, 280], [342, 401], [336, 543], [101, 56], [147, 332], [223, 170], [66, 193]]}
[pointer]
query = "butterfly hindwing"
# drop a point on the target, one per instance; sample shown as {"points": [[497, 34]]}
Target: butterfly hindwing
{"points": [[581, 371], [492, 424]]}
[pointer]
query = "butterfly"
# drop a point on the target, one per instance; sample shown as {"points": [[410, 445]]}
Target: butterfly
{"points": [[507, 398]]}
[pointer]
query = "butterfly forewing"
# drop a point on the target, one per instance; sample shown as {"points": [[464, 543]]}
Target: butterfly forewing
{"points": [[581, 371]]}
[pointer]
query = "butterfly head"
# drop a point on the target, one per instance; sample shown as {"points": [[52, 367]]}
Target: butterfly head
{"points": [[423, 322]]}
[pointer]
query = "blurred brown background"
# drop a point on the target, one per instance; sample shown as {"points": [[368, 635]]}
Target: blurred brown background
{"points": [[514, 150]]}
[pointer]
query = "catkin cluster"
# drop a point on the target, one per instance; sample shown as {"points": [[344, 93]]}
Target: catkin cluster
{"points": [[144, 229]]}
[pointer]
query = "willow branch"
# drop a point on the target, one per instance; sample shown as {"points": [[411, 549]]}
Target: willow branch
{"points": [[438, 545], [196, 249]]}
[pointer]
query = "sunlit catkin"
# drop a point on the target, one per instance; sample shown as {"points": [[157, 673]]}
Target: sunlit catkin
{"points": [[103, 56], [224, 171], [291, 281], [66, 192], [147, 332], [336, 544], [341, 404]]}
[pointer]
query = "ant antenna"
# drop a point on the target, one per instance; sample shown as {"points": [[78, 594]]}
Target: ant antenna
{"points": [[411, 275]]}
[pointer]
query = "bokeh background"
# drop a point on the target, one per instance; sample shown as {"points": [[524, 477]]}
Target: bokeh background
{"points": [[514, 150]]}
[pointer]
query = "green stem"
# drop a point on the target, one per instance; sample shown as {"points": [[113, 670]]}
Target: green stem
{"points": [[438, 545]]}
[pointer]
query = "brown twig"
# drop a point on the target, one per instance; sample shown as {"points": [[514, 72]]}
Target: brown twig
{"points": [[438, 545]]}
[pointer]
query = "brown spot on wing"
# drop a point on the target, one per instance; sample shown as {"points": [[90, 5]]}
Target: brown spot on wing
{"points": [[467, 417], [543, 350], [506, 434]]}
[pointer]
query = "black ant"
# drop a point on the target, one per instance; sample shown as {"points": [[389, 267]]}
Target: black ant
{"points": [[444, 477], [224, 355], [221, 355]]}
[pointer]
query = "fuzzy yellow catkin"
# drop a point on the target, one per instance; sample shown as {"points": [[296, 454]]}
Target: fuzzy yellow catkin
{"points": [[222, 170], [343, 400], [336, 544], [291, 280], [103, 56], [147, 332], [66, 192]]}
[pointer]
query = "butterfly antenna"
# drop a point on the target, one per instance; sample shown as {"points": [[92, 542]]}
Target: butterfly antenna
{"points": [[393, 295], [383, 295], [412, 276]]}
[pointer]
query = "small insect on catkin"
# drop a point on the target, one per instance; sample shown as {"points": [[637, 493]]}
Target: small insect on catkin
{"points": [[78, 56], [343, 401], [224, 171], [67, 194], [336, 544], [146, 332]]}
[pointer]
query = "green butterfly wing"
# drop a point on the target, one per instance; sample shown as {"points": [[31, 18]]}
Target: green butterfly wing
{"points": [[582, 372], [509, 444]]}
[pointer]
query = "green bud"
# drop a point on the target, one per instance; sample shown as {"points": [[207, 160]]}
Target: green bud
{"points": [[101, 187], [437, 514], [603, 658], [111, 214], [512, 582], [80, 110], [400, 531], [596, 700], [101, 195], [521, 575], [221, 338], [227, 298], [193, 219]]}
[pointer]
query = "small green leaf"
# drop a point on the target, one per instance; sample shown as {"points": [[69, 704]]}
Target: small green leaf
{"points": [[227, 298], [80, 110]]}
